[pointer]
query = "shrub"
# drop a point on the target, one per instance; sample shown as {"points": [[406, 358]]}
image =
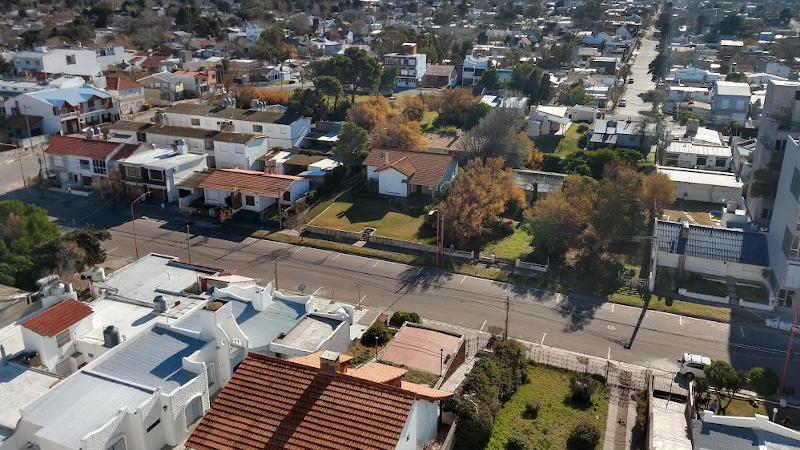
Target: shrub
{"points": [[516, 443], [531, 410], [763, 381], [583, 128], [639, 432], [378, 331], [584, 436], [582, 388], [401, 317]]}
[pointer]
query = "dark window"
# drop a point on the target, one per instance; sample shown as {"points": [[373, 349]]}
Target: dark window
{"points": [[156, 174], [196, 122], [721, 162], [787, 242], [780, 144], [701, 160], [153, 425], [84, 164], [99, 166], [797, 95], [258, 128], [796, 184], [287, 196], [141, 137], [765, 213], [70, 59], [249, 200]]}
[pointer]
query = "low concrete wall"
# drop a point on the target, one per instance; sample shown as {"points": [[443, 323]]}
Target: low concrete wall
{"points": [[531, 266], [459, 254], [450, 440], [487, 259], [334, 233], [706, 297], [753, 305], [400, 243]]}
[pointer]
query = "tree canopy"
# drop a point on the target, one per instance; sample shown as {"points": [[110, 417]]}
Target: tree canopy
{"points": [[352, 146]]}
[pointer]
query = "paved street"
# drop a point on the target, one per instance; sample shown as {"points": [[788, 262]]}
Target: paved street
{"points": [[641, 79]]}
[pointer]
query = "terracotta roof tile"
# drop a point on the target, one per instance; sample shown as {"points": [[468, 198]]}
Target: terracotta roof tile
{"points": [[379, 373], [120, 84], [249, 182], [274, 403], [312, 359], [77, 146], [57, 318], [421, 168], [125, 151]]}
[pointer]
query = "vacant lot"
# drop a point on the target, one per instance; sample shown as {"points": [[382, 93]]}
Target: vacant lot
{"points": [[513, 246], [558, 414], [560, 145], [354, 212]]}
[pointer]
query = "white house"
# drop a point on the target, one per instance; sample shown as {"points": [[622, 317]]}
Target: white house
{"points": [[283, 129], [704, 185], [412, 65], [783, 237], [692, 155], [473, 68], [127, 94], [163, 88], [89, 163], [53, 333], [158, 171], [252, 190], [60, 61], [402, 173], [68, 110], [548, 120], [731, 101]]}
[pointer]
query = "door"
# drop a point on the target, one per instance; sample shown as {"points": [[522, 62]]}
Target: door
{"points": [[86, 181]]}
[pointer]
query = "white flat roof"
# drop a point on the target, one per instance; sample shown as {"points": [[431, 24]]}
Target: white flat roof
{"points": [[163, 158], [698, 149], [701, 177], [19, 386]]}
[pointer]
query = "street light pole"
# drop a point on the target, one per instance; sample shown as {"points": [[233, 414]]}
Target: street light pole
{"points": [[188, 244], [438, 219], [133, 222], [789, 348]]}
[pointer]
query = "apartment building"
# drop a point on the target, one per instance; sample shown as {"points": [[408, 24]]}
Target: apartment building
{"points": [[780, 118], [412, 65], [60, 61], [731, 101], [283, 129]]}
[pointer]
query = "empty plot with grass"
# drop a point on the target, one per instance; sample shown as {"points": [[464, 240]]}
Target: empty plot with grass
{"points": [[354, 212], [513, 246], [558, 413]]}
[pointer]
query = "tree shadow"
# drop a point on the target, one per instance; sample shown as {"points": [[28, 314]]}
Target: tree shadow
{"points": [[580, 405], [578, 310], [423, 278]]}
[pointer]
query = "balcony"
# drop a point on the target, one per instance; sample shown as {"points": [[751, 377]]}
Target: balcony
{"points": [[69, 115]]}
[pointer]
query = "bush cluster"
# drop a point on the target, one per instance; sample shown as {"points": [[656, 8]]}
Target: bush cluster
{"points": [[378, 331], [401, 317]]}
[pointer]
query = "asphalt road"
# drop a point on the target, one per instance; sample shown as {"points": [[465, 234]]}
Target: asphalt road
{"points": [[641, 80], [571, 322]]}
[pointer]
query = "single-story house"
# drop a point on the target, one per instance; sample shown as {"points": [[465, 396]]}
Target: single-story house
{"points": [[252, 190], [536, 184], [613, 133], [713, 251], [691, 155], [704, 185], [440, 75], [548, 120], [401, 173]]}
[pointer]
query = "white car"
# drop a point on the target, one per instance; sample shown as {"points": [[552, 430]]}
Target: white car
{"points": [[692, 366]]}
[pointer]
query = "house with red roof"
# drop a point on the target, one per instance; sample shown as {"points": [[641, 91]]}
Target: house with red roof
{"points": [[53, 334], [127, 94], [252, 190], [87, 162], [401, 173], [316, 401]]}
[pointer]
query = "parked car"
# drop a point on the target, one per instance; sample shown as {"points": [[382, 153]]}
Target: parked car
{"points": [[630, 80], [622, 103], [693, 366]]}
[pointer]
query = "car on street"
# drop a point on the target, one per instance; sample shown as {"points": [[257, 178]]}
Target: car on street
{"points": [[630, 80], [693, 366], [622, 103]]}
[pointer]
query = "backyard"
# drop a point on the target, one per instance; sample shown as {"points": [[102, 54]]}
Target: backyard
{"points": [[355, 211], [557, 416], [789, 417], [693, 212], [560, 145]]}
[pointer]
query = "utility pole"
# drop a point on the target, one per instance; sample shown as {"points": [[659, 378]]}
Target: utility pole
{"points": [[276, 273], [508, 307], [188, 244]]}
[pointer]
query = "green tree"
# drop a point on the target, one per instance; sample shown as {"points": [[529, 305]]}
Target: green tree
{"points": [[785, 16], [527, 78], [737, 77], [365, 71], [545, 88], [490, 80], [763, 381], [352, 146], [330, 87], [726, 382], [378, 334], [389, 78], [271, 46], [22, 228], [578, 96]]}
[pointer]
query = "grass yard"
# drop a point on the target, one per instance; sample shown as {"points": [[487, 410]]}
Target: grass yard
{"points": [[515, 245], [354, 212], [420, 377], [693, 212], [559, 145], [550, 429], [745, 409], [704, 286]]}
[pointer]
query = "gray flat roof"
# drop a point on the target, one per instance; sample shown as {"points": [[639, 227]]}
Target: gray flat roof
{"points": [[19, 386], [260, 327], [80, 404], [152, 359], [187, 132], [278, 117], [714, 243], [310, 332]]}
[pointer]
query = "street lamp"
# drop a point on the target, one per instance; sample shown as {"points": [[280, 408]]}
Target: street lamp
{"points": [[430, 213], [189, 242], [133, 221], [789, 348]]}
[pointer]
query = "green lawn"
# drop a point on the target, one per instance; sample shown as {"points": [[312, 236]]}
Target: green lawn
{"points": [[560, 145], [755, 294], [745, 409], [354, 212], [550, 429], [513, 246], [704, 286]]}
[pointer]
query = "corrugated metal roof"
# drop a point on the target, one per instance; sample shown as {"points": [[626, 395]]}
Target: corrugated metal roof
{"points": [[153, 359], [698, 149], [545, 182], [718, 244], [74, 96]]}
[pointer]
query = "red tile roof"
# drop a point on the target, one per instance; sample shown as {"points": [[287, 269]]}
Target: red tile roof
{"points": [[125, 151], [154, 60], [249, 182], [421, 168], [274, 403], [120, 84], [78, 146], [58, 318]]}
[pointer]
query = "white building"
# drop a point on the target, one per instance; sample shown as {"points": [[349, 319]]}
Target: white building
{"points": [[731, 101], [402, 173], [158, 171], [252, 190], [69, 109], [691, 155], [473, 69], [548, 120], [127, 94], [60, 61], [412, 65], [283, 129], [85, 163], [703, 185], [784, 237]]}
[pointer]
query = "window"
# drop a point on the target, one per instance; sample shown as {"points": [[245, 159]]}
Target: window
{"points": [[99, 167], [795, 186], [258, 128], [797, 95], [156, 174], [239, 149], [701, 160], [141, 137], [721, 162], [780, 144], [210, 373], [119, 444], [84, 164], [209, 144], [153, 425], [196, 122], [62, 338], [287, 196], [194, 411], [249, 200], [765, 213], [70, 59]]}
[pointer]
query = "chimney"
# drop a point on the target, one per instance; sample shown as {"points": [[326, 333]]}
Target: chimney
{"points": [[181, 147], [685, 230], [409, 48], [385, 157], [329, 362], [692, 125]]}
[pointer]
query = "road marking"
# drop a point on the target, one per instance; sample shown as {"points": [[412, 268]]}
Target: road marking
{"points": [[462, 279], [612, 307], [419, 271], [294, 252], [315, 292], [362, 299], [680, 320], [337, 255], [544, 335], [508, 287], [484, 324], [113, 250], [558, 297], [741, 330], [609, 353], [376, 263]]}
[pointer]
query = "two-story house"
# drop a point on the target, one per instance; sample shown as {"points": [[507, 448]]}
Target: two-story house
{"points": [[127, 94], [158, 170], [60, 61], [473, 68], [68, 110], [412, 65], [86, 163], [163, 88], [224, 150], [284, 129], [692, 155], [198, 83], [730, 101]]}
